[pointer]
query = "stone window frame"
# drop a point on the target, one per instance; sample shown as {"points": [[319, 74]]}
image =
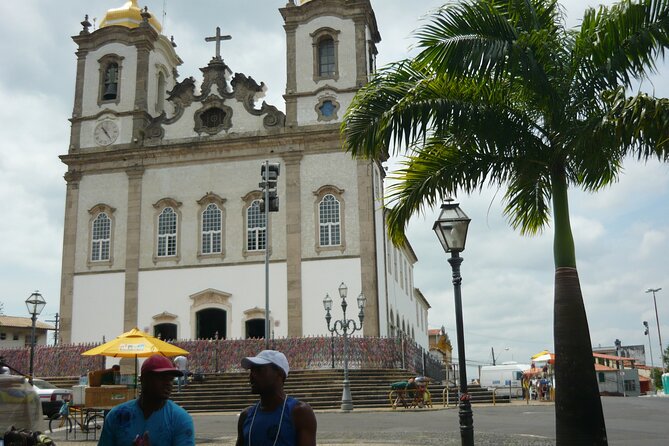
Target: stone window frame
{"points": [[95, 212], [159, 207], [166, 318], [248, 201], [103, 63], [161, 96], [316, 37], [256, 313], [204, 202], [211, 299], [339, 196], [321, 102]]}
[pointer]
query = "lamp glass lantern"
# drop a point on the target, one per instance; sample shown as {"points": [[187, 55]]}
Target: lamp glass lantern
{"points": [[362, 301], [327, 303], [343, 290], [35, 303], [451, 227]]}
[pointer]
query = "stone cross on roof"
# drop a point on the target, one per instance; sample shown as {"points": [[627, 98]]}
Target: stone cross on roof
{"points": [[217, 38]]}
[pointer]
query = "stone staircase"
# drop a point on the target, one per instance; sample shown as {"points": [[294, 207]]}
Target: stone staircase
{"points": [[322, 389]]}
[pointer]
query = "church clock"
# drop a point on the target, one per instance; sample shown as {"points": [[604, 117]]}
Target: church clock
{"points": [[105, 133]]}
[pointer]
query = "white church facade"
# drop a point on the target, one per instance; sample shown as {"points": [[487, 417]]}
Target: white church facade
{"points": [[163, 226]]}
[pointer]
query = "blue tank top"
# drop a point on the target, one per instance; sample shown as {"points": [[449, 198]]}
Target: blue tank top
{"points": [[266, 426]]}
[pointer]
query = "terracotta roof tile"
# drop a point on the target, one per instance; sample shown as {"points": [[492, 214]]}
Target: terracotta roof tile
{"points": [[23, 322]]}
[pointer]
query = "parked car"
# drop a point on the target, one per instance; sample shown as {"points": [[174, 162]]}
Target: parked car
{"points": [[51, 396]]}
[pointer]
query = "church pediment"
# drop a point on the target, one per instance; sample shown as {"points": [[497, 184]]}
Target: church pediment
{"points": [[226, 103]]}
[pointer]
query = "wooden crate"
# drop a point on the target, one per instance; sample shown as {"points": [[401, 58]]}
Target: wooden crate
{"points": [[106, 397]]}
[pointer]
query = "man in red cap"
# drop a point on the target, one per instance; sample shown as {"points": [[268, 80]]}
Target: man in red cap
{"points": [[151, 419], [277, 419]]}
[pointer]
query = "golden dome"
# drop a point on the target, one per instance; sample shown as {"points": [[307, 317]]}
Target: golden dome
{"points": [[128, 15]]}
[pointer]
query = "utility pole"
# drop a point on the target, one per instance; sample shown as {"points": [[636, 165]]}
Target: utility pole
{"points": [[657, 319], [56, 321], [494, 361]]}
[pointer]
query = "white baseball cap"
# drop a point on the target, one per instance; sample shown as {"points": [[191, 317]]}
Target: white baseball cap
{"points": [[267, 357]]}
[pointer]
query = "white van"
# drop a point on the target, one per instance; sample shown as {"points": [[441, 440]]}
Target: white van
{"points": [[505, 375]]}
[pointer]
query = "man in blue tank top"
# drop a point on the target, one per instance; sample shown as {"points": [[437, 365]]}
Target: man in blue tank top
{"points": [[152, 419], [277, 419]]}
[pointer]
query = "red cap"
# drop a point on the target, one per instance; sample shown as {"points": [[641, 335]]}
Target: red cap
{"points": [[160, 364]]}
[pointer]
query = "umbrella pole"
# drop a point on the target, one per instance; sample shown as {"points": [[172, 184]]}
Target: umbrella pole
{"points": [[136, 377]]}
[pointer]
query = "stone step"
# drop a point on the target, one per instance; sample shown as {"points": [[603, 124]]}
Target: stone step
{"points": [[322, 389]]}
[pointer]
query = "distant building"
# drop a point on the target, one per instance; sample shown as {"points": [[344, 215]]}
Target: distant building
{"points": [[617, 375], [16, 331], [636, 352]]}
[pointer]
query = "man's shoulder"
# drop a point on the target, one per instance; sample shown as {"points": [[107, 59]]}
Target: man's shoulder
{"points": [[176, 409]]}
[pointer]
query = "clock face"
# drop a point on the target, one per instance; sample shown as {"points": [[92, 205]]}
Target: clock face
{"points": [[105, 133]]}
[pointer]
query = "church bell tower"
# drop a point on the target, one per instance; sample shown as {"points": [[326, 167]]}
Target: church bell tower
{"points": [[124, 70], [331, 53]]}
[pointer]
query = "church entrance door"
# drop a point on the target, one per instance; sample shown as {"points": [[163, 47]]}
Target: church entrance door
{"points": [[211, 321], [165, 331], [255, 328]]}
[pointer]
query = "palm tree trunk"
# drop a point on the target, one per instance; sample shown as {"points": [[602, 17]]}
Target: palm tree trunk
{"points": [[579, 419]]}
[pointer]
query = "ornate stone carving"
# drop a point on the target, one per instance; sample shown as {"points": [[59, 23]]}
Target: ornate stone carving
{"points": [[213, 117]]}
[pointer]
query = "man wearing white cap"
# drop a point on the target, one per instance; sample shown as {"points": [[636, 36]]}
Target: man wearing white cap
{"points": [[277, 419]]}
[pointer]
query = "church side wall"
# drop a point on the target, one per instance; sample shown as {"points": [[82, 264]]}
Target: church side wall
{"points": [[321, 277], [187, 185], [379, 224], [333, 169], [169, 291], [112, 190], [97, 307]]}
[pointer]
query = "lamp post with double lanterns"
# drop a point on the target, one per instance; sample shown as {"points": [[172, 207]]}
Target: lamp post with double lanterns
{"points": [[35, 304], [345, 327], [451, 229]]}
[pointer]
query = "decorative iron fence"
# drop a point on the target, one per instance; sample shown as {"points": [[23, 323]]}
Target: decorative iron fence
{"points": [[224, 355]]}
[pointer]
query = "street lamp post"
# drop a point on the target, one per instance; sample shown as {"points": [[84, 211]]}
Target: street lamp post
{"points": [[345, 327], [35, 304], [650, 346], [657, 319], [451, 229]]}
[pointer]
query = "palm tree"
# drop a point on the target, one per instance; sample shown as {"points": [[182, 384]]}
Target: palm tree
{"points": [[503, 94]]}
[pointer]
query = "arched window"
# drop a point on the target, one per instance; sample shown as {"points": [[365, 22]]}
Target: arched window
{"points": [[167, 233], [110, 70], [326, 57], [101, 239], [255, 227], [160, 94], [325, 43], [212, 230], [329, 221]]}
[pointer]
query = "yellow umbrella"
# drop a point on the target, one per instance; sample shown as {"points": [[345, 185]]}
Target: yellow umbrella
{"points": [[135, 344]]}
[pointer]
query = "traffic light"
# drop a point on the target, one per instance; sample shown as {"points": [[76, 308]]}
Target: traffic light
{"points": [[645, 324], [269, 173]]}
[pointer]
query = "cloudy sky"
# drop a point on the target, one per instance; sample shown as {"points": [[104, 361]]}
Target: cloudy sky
{"points": [[622, 233]]}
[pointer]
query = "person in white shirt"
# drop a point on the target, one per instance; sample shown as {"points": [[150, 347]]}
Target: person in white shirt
{"points": [[181, 363]]}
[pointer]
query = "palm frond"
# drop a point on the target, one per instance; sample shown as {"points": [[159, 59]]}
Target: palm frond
{"points": [[619, 43]]}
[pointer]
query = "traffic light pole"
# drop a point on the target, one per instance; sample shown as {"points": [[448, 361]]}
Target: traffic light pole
{"points": [[266, 180]]}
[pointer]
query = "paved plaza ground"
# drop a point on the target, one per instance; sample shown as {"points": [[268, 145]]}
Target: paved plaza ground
{"points": [[629, 421]]}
